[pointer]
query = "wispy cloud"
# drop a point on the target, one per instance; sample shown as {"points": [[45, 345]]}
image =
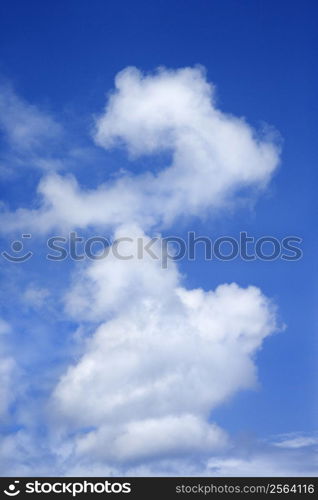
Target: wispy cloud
{"points": [[25, 127], [294, 441]]}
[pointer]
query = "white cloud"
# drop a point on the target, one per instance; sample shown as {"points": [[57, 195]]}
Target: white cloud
{"points": [[163, 356], [214, 156], [162, 359], [213, 153], [297, 441], [24, 126], [150, 438], [22, 453]]}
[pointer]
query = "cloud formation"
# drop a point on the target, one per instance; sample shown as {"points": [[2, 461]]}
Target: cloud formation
{"points": [[163, 357], [160, 357], [161, 360], [214, 156]]}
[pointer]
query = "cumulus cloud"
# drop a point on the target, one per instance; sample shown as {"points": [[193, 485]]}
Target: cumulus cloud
{"points": [[161, 360], [172, 436], [214, 156], [160, 357], [213, 153], [163, 357]]}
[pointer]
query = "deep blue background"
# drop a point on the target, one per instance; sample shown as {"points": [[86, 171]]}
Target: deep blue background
{"points": [[262, 56]]}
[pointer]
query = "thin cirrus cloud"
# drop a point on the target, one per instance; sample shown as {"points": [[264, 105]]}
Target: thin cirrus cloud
{"points": [[297, 441], [162, 357], [7, 371], [24, 126], [31, 137]]}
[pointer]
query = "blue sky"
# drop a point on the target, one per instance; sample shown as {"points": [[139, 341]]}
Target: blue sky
{"points": [[62, 58]]}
